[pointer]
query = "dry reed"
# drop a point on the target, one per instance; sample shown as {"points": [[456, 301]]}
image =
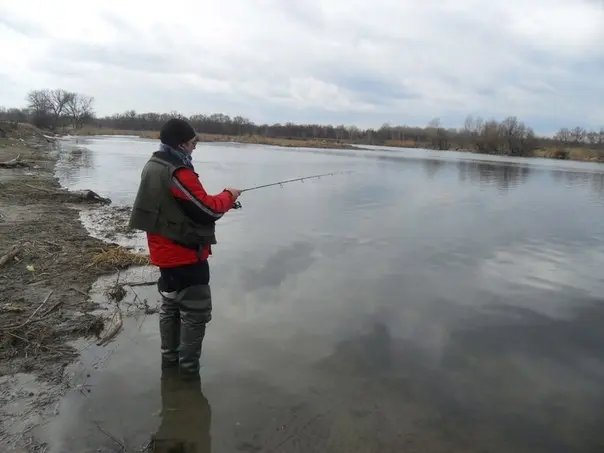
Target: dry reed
{"points": [[118, 257]]}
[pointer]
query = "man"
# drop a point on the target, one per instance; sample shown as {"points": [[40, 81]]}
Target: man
{"points": [[178, 215]]}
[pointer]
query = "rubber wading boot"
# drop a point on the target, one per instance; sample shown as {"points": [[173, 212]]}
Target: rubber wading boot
{"points": [[169, 330], [195, 313]]}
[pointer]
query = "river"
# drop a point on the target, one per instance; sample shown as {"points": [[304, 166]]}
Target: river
{"points": [[425, 302]]}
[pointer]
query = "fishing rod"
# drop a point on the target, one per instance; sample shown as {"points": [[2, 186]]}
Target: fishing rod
{"points": [[286, 181]]}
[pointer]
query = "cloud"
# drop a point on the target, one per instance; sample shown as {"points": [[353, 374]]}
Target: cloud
{"points": [[340, 61]]}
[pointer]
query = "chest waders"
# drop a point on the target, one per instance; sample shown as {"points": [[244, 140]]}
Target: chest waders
{"points": [[183, 316]]}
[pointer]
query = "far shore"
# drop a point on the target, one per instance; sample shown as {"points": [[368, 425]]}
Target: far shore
{"points": [[248, 139], [558, 153]]}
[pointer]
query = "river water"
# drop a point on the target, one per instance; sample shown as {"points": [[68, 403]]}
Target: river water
{"points": [[425, 302]]}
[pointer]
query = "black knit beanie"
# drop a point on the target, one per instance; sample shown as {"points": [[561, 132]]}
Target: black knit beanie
{"points": [[175, 132]]}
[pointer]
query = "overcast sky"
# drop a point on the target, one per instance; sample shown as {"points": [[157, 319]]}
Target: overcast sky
{"points": [[332, 61]]}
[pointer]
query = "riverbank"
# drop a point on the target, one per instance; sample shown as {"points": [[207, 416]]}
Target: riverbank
{"points": [[560, 153], [48, 263], [212, 138]]}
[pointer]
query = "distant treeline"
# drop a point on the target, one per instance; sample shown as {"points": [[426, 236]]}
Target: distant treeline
{"points": [[59, 109]]}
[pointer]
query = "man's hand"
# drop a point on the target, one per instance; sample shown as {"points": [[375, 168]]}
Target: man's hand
{"points": [[234, 192]]}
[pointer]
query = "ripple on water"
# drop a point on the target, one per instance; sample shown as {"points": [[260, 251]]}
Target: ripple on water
{"points": [[546, 266]]}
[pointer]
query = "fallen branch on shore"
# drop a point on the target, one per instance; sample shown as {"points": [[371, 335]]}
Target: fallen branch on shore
{"points": [[122, 446], [76, 195], [12, 253], [114, 330], [13, 163], [77, 290], [135, 284], [111, 437], [88, 195]]}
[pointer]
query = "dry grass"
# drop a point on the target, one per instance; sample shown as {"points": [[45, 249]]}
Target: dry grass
{"points": [[19, 130], [118, 257], [29, 341], [249, 139], [41, 334], [575, 153], [288, 142], [93, 131], [23, 135], [401, 143]]}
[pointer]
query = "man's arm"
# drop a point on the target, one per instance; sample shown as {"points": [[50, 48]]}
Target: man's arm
{"points": [[195, 201]]}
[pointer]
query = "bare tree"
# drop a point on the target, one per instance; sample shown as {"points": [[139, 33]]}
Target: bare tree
{"points": [[59, 99], [438, 135], [340, 132], [40, 106], [469, 125], [52, 108], [79, 108], [13, 115], [563, 136], [578, 134], [592, 138]]}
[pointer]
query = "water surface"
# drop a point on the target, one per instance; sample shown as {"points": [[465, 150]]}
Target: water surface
{"points": [[427, 302]]}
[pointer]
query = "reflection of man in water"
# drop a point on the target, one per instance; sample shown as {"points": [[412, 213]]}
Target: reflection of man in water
{"points": [[185, 418]]}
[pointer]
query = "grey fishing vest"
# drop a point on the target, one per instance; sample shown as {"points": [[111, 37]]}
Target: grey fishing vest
{"points": [[157, 212]]}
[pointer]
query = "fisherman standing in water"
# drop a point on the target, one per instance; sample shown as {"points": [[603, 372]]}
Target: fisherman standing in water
{"points": [[178, 215]]}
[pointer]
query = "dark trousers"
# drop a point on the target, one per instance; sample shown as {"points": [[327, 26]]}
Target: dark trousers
{"points": [[180, 277], [185, 309]]}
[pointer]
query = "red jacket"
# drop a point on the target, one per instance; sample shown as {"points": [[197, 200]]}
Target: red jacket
{"points": [[198, 205]]}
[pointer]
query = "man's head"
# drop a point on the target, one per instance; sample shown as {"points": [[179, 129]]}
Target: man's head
{"points": [[178, 133]]}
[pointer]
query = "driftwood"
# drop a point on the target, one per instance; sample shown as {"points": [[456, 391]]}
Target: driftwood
{"points": [[147, 283], [88, 195], [11, 254], [75, 195], [13, 163], [114, 330], [83, 293]]}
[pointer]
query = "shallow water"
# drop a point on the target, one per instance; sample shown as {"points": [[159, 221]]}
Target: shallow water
{"points": [[427, 302]]}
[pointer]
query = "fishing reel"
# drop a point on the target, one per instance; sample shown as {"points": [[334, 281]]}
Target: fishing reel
{"points": [[237, 205]]}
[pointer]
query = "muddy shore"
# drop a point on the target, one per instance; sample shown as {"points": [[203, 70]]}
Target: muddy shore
{"points": [[48, 263]]}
